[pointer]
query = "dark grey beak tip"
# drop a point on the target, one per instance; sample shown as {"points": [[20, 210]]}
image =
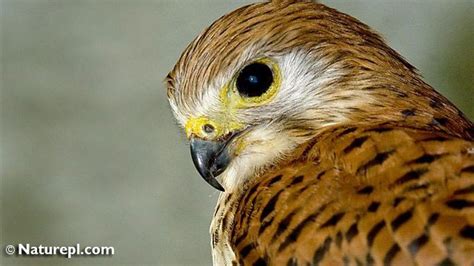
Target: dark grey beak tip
{"points": [[210, 159]]}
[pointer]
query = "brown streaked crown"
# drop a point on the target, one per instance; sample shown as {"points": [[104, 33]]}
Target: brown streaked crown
{"points": [[279, 27]]}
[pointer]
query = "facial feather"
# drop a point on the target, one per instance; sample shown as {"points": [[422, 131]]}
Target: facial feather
{"points": [[334, 70]]}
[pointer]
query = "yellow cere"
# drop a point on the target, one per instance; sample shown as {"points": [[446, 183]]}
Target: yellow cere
{"points": [[196, 126], [231, 103]]}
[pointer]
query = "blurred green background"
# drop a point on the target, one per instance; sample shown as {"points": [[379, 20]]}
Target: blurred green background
{"points": [[90, 152]]}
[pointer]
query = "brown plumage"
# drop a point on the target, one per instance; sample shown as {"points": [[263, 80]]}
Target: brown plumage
{"points": [[348, 157]]}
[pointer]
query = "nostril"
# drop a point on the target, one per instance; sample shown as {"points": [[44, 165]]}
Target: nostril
{"points": [[208, 128]]}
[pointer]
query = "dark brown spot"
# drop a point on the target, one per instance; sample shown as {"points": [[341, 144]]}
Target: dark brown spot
{"points": [[293, 236], [469, 169], [373, 206], [333, 220], [366, 190], [440, 121], [381, 129], [297, 180], [374, 231], [432, 220], [447, 262], [401, 219], [318, 177], [270, 206], [467, 232], [379, 159], [321, 251], [435, 104], [408, 112], [292, 262], [426, 158], [369, 260], [264, 225], [274, 180], [411, 175], [459, 204], [467, 190], [352, 232], [339, 239], [416, 187], [392, 252], [397, 201], [417, 244], [246, 250], [356, 143], [260, 262], [347, 131], [283, 225]]}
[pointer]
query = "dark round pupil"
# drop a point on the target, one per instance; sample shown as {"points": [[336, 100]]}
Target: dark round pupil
{"points": [[254, 80]]}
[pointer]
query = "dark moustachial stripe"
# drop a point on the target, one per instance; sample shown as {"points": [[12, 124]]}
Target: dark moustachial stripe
{"points": [[366, 190], [401, 219], [374, 231], [321, 251], [352, 232], [392, 252], [270, 206], [411, 175], [333, 220], [373, 206], [459, 204], [417, 244], [356, 143], [467, 232]]}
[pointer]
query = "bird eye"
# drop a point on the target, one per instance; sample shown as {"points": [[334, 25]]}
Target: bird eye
{"points": [[254, 80]]}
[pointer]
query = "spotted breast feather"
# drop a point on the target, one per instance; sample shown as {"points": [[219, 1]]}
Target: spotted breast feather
{"points": [[356, 196]]}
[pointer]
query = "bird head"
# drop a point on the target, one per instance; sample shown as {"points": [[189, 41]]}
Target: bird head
{"points": [[268, 77]]}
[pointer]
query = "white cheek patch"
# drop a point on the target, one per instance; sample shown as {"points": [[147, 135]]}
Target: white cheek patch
{"points": [[264, 146]]}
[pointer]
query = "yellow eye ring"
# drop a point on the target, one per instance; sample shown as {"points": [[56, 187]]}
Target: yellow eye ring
{"points": [[231, 95]]}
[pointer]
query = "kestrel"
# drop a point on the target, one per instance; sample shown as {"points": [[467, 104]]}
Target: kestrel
{"points": [[327, 145]]}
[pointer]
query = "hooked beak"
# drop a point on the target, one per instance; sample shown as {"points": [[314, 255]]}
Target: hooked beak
{"points": [[211, 158]]}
